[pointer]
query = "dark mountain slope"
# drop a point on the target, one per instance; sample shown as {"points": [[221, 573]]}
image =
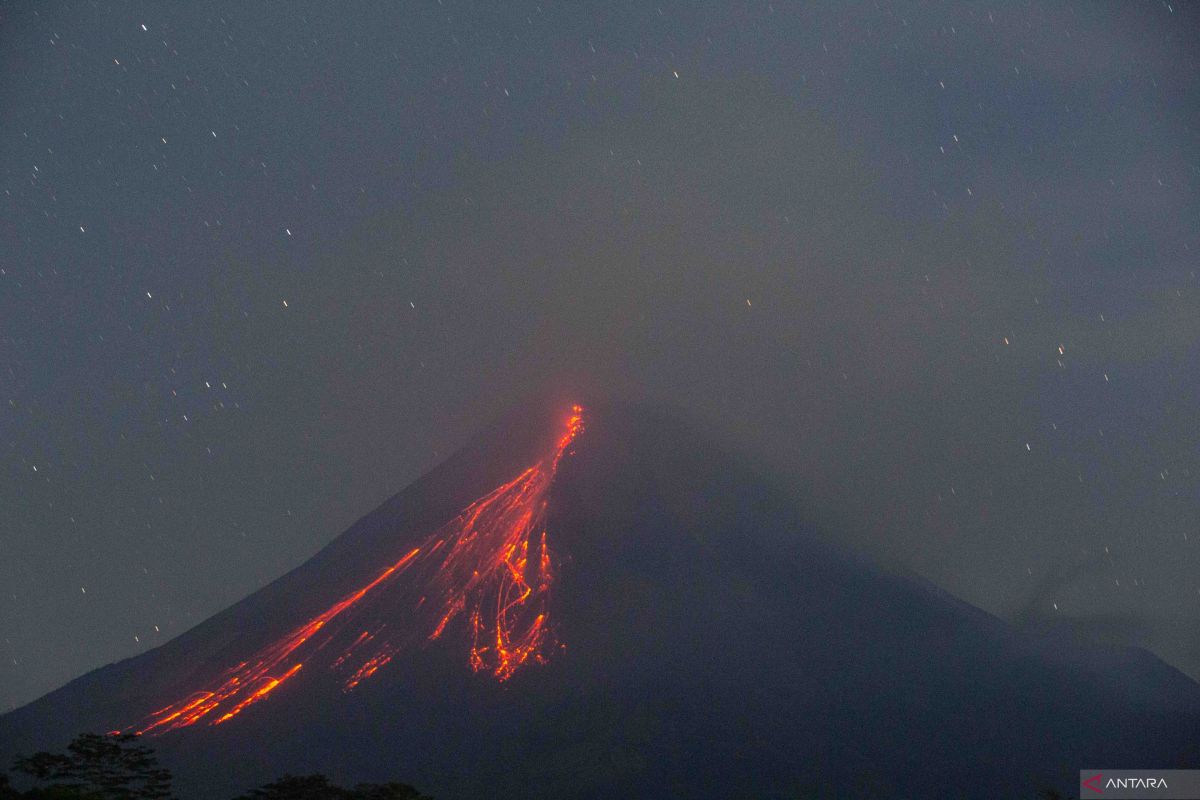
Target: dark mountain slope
{"points": [[683, 635]]}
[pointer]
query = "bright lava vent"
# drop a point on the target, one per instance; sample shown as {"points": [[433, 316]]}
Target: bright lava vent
{"points": [[490, 567]]}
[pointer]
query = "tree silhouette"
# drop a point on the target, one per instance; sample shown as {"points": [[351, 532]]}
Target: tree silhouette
{"points": [[318, 787], [297, 787], [98, 767], [116, 767]]}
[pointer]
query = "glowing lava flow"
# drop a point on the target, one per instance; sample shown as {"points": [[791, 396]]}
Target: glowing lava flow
{"points": [[489, 570]]}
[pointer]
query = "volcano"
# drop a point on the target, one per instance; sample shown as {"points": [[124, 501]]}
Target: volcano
{"points": [[598, 601]]}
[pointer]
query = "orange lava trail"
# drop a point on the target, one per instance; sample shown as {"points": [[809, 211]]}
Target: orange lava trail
{"points": [[490, 567]]}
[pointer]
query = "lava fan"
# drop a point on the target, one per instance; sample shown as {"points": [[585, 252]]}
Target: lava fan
{"points": [[490, 567]]}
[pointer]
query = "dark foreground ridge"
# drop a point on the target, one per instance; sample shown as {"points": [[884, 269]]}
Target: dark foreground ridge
{"points": [[597, 601]]}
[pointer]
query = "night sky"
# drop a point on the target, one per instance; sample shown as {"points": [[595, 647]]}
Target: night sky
{"points": [[263, 265]]}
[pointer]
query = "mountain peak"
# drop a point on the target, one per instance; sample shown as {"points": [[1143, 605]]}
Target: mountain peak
{"points": [[594, 599]]}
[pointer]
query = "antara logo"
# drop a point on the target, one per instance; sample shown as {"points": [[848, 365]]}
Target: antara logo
{"points": [[1094, 783], [1136, 783]]}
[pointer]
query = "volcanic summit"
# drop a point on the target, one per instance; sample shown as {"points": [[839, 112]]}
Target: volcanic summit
{"points": [[597, 600]]}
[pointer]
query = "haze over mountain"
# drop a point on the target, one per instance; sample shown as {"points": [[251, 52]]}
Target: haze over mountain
{"points": [[598, 601]]}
